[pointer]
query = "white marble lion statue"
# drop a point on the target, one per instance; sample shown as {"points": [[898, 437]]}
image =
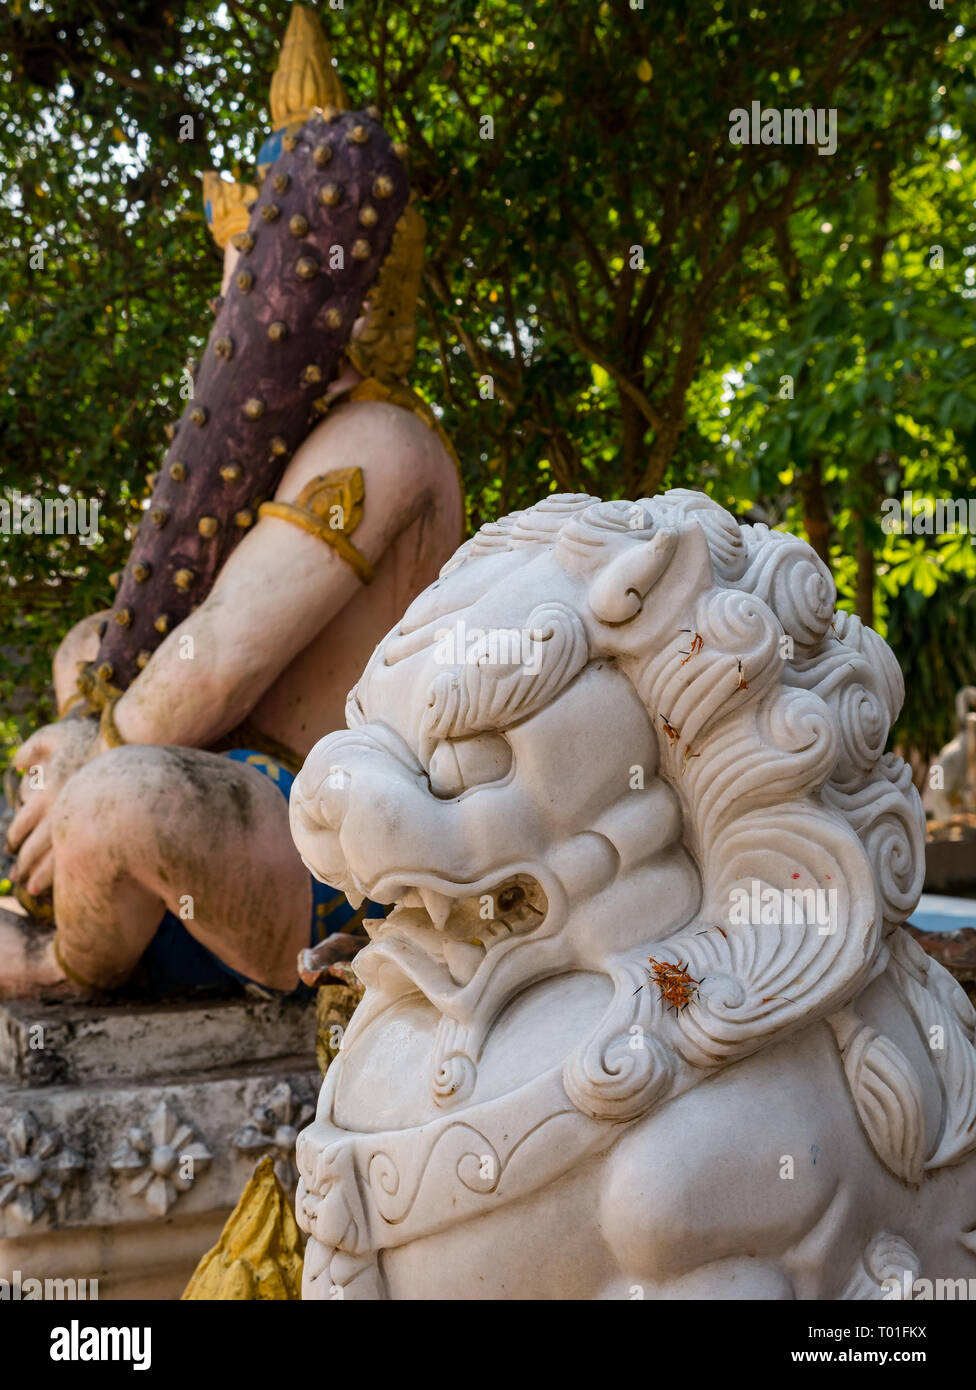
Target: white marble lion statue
{"points": [[643, 1021]]}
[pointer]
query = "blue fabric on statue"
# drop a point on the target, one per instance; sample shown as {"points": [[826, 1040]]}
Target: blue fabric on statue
{"points": [[175, 962]]}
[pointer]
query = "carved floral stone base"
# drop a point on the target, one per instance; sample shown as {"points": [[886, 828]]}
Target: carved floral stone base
{"points": [[127, 1132]]}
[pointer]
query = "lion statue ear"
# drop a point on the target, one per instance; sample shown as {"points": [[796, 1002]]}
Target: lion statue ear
{"points": [[676, 555]]}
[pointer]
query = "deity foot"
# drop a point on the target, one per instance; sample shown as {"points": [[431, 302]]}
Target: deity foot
{"points": [[28, 966]]}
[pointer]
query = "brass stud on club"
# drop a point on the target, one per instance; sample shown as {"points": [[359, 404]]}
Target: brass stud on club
{"points": [[311, 374], [373, 111], [382, 186], [360, 249], [322, 155], [159, 517], [281, 182], [330, 113], [106, 671], [277, 331], [298, 225], [199, 416], [244, 519], [278, 446], [333, 317], [224, 348], [359, 135], [400, 149], [141, 571], [368, 216], [183, 579], [320, 405], [142, 660], [162, 623], [123, 616], [177, 471], [254, 408], [243, 241], [114, 578], [245, 282], [207, 526], [270, 212], [306, 268], [232, 473], [329, 194]]}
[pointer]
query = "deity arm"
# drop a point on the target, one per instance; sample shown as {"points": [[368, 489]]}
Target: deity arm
{"points": [[282, 584]]}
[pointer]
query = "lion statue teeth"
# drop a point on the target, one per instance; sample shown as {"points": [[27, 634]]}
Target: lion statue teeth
{"points": [[621, 770]]}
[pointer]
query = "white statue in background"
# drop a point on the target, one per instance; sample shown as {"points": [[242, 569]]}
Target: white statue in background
{"points": [[947, 799], [621, 769]]}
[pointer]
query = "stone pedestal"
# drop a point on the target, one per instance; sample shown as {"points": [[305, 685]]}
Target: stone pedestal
{"points": [[127, 1132]]}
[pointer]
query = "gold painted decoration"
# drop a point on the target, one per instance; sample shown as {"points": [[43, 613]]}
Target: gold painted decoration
{"points": [[41, 909], [260, 1251], [305, 76], [335, 1004], [108, 727], [329, 507], [385, 347], [228, 206]]}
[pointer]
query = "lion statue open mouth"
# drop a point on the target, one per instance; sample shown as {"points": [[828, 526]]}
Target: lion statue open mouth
{"points": [[621, 770]]}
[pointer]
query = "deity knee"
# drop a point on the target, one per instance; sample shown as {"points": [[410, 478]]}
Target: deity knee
{"points": [[98, 801]]}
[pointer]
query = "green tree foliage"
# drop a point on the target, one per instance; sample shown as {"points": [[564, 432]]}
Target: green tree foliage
{"points": [[859, 384], [613, 289]]}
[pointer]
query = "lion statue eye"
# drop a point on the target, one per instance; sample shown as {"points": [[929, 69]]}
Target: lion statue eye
{"points": [[459, 763]]}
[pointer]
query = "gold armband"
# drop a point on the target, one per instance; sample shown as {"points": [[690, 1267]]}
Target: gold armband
{"points": [[67, 970], [41, 909], [330, 507], [95, 684], [72, 701], [109, 728]]}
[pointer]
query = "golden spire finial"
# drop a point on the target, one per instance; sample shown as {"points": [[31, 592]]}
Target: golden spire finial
{"points": [[305, 77]]}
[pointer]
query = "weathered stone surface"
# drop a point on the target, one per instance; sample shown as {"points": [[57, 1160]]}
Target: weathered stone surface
{"points": [[127, 1132], [47, 1044]]}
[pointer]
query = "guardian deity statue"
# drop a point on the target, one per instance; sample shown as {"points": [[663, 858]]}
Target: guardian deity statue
{"points": [[307, 497]]}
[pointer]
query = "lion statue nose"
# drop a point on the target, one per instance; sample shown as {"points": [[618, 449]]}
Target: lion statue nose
{"points": [[319, 804], [323, 806]]}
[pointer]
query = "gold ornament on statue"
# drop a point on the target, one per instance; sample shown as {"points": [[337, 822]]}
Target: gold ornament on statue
{"points": [[385, 347], [259, 1253], [229, 204], [305, 77]]}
